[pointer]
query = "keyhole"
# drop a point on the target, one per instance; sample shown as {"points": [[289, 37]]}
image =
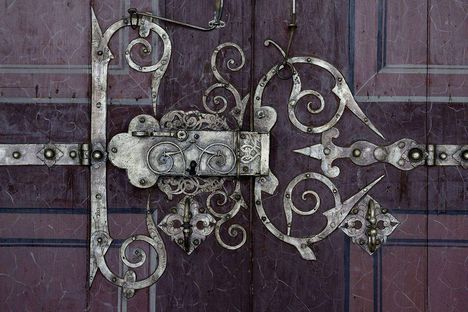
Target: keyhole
{"points": [[193, 168]]}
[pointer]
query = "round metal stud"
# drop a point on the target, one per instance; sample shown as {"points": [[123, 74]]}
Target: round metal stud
{"points": [[142, 182], [401, 162], [326, 151], [260, 114], [443, 156], [464, 155], [73, 154], [196, 242], [142, 119], [16, 155], [98, 155], [357, 152], [415, 154], [114, 150], [98, 196], [49, 153]]}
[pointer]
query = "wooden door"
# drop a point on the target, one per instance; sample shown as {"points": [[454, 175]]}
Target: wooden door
{"points": [[405, 62]]}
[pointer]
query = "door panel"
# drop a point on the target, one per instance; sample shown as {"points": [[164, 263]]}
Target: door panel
{"points": [[404, 60]]}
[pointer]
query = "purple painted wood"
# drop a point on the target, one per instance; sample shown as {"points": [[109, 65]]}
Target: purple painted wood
{"points": [[383, 48]]}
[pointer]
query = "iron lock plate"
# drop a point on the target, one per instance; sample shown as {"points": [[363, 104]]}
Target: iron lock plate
{"points": [[148, 151]]}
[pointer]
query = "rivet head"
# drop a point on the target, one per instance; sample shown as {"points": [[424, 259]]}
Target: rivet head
{"points": [[16, 155], [114, 150], [49, 153], [357, 152], [264, 218], [97, 155], [384, 210], [100, 52], [98, 104], [415, 154], [180, 241], [245, 168], [326, 151], [401, 162], [73, 154], [142, 182], [196, 242], [99, 240], [196, 136], [142, 119], [443, 156], [98, 196], [260, 114], [464, 155]]}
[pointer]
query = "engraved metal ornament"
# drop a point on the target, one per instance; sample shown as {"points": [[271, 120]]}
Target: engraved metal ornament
{"points": [[369, 224]]}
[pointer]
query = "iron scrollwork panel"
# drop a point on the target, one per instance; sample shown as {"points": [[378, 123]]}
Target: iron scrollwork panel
{"points": [[183, 154]]}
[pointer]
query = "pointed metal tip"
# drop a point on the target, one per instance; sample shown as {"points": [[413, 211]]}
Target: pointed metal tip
{"points": [[376, 131], [372, 184], [303, 151]]}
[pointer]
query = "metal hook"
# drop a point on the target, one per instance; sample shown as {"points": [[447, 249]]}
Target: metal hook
{"points": [[213, 24], [133, 12]]}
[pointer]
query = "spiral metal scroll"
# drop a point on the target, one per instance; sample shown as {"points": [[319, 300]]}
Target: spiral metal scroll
{"points": [[100, 236], [341, 90], [129, 281], [235, 229], [335, 215], [220, 101]]}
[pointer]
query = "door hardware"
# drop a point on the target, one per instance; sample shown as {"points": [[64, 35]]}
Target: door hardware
{"points": [[405, 154]]}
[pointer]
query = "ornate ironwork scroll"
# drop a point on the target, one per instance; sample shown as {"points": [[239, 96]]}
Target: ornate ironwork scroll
{"points": [[184, 153]]}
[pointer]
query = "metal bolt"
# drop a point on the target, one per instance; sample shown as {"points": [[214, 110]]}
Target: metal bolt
{"points": [[100, 52], [98, 196], [356, 152], [99, 240], [16, 155], [180, 241], [443, 156], [196, 136], [309, 129], [142, 181], [98, 155], [142, 119], [326, 151], [114, 279], [415, 154], [98, 104], [258, 202], [340, 79], [49, 153], [245, 168], [114, 150], [288, 196], [464, 155], [196, 242], [260, 114], [264, 218], [73, 154]]}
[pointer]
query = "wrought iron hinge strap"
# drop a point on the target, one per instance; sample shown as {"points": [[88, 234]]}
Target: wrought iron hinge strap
{"points": [[49, 154]]}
